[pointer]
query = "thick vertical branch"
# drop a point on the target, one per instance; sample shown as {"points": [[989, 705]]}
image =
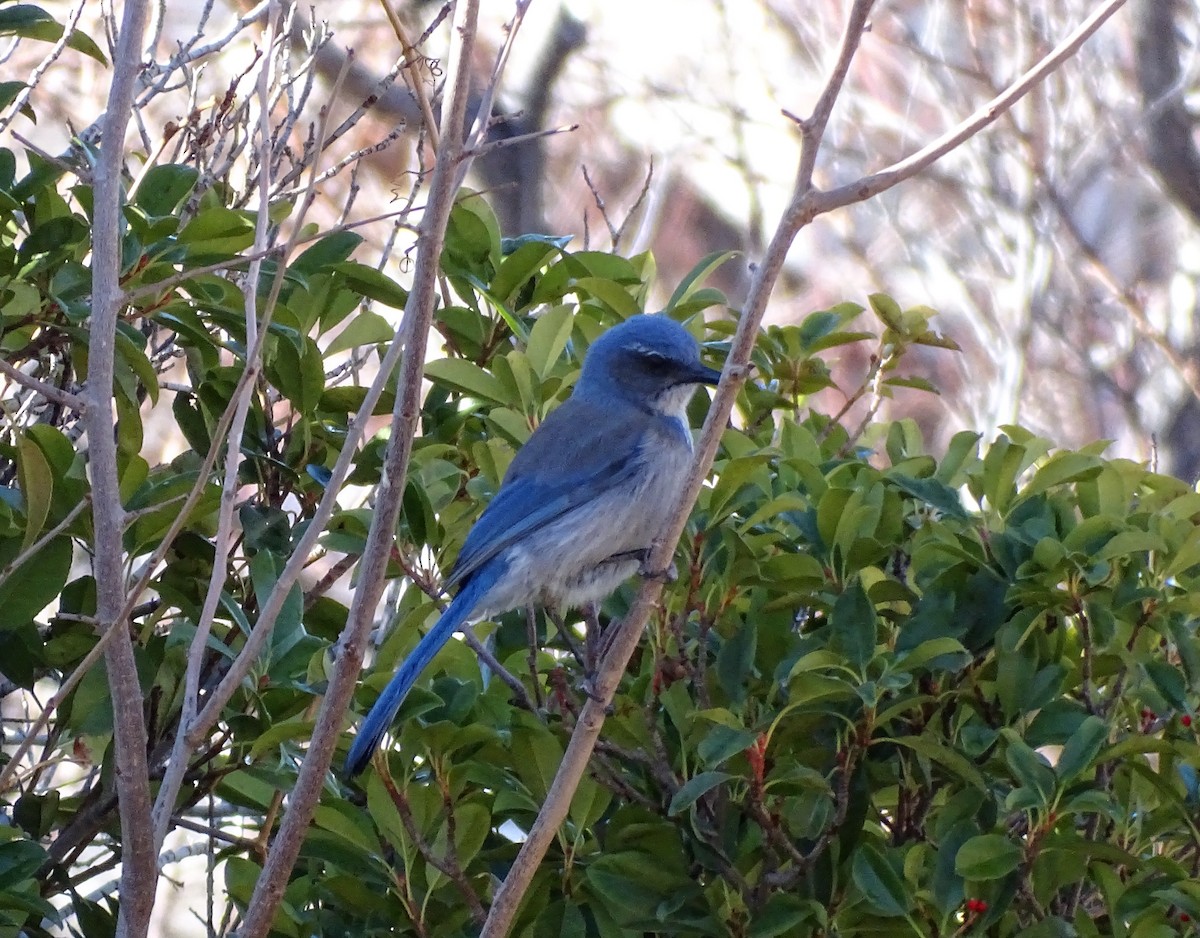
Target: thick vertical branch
{"points": [[418, 315], [138, 867]]}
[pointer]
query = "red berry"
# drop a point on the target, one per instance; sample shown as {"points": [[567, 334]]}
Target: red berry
{"points": [[1184, 917], [1185, 720]]}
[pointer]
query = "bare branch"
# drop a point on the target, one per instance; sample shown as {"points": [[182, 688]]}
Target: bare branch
{"points": [[138, 866], [41, 542], [176, 767], [268, 892], [868, 186], [48, 391], [500, 143]]}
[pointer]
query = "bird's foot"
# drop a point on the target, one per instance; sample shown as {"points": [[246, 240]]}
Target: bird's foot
{"points": [[588, 686], [670, 575]]}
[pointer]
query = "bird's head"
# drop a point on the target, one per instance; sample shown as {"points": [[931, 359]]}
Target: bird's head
{"points": [[648, 359]]}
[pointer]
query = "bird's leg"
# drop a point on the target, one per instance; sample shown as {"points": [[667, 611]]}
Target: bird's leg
{"points": [[532, 639], [642, 556], [670, 575], [567, 637], [597, 648], [591, 660]]}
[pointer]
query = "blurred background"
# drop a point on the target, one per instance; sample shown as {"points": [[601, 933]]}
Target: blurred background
{"points": [[1059, 246]]}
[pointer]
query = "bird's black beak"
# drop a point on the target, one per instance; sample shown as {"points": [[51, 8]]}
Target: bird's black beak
{"points": [[705, 375]]}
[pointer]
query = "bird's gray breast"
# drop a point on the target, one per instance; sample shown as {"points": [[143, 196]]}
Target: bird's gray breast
{"points": [[575, 559]]}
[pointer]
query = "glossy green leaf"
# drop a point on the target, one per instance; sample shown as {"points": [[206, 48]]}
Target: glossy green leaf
{"points": [[694, 788], [366, 328], [879, 882], [468, 378], [987, 857]]}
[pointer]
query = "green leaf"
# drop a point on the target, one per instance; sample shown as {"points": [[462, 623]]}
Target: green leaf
{"points": [[696, 276], [82, 42], [367, 328], [265, 568], [520, 264], [952, 759], [164, 188], [912, 381], [299, 374], [37, 485], [133, 356], [29, 22], [1168, 681], [637, 884], [612, 294], [8, 93], [327, 252], [1060, 469], [218, 231], [548, 337], [736, 660], [721, 742], [964, 447], [1082, 748], [782, 915], [853, 624], [560, 920], [371, 283], [537, 756], [879, 882], [19, 859], [468, 378], [932, 492], [988, 856], [1029, 768], [35, 584], [694, 788]]}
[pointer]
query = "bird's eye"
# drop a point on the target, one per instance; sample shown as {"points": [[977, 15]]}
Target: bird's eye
{"points": [[656, 363]]}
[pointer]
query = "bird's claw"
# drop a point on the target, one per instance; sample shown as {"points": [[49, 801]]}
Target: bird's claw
{"points": [[588, 686], [669, 575]]}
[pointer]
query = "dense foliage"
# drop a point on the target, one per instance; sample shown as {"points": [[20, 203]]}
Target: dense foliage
{"points": [[863, 707]]}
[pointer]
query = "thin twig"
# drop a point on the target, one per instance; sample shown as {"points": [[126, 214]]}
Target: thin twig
{"points": [[177, 764], [491, 146], [412, 71], [602, 206], [872, 185], [268, 891], [48, 391], [42, 541]]}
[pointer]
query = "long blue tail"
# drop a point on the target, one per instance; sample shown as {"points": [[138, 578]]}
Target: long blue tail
{"points": [[380, 718]]}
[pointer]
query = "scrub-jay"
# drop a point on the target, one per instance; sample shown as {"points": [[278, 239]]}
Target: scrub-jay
{"points": [[582, 501]]}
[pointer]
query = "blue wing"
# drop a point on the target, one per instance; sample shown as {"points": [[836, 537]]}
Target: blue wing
{"points": [[580, 451]]}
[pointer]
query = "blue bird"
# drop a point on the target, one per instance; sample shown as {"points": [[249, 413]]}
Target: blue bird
{"points": [[582, 501]]}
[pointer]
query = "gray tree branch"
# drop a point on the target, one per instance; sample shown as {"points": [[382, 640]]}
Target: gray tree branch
{"points": [[418, 315], [138, 867]]}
